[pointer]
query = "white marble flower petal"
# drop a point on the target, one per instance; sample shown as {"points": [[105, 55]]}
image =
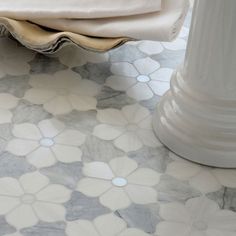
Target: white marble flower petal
{"points": [[86, 88], [205, 181], [39, 96], [111, 116], [108, 132], [16, 67], [49, 212], [115, 199], [81, 227], [67, 154], [144, 176], [223, 221], [5, 116], [140, 91], [83, 103], [70, 137], [226, 177], [21, 147], [128, 142], [7, 204], [26, 131], [58, 105], [10, 186], [135, 113], [165, 228], [163, 74], [93, 187], [123, 166], [54, 193], [71, 56], [116, 225], [99, 170], [146, 65], [8, 101], [183, 170], [124, 69], [159, 87], [148, 138], [175, 211], [141, 194], [41, 157], [132, 232], [150, 47], [33, 182], [15, 217], [51, 127], [120, 83]]}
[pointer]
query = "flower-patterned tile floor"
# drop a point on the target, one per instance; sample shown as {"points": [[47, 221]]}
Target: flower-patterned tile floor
{"points": [[78, 156]]}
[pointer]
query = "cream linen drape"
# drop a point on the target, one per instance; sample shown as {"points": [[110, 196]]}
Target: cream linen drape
{"points": [[76, 9], [100, 34]]}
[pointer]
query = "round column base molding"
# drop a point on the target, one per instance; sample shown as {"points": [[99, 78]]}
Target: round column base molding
{"points": [[196, 127]]}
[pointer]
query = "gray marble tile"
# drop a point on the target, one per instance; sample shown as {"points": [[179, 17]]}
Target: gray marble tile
{"points": [[144, 217], [151, 104], [15, 85], [5, 228], [96, 72], [65, 174], [99, 150], [170, 59], [82, 207], [170, 189], [84, 121], [155, 158], [128, 53], [110, 98], [226, 198], [45, 229], [43, 64], [5, 131], [13, 166], [27, 112]]}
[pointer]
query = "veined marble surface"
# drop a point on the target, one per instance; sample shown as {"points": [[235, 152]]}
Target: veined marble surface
{"points": [[78, 155]]}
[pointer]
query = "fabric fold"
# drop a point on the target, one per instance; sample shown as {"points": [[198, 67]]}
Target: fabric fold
{"points": [[47, 35], [75, 9]]}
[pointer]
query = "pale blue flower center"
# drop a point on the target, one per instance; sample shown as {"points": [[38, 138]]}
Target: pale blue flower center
{"points": [[119, 182]]}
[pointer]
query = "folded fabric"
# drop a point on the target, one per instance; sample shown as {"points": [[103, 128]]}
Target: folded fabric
{"points": [[161, 26], [100, 34], [76, 9]]}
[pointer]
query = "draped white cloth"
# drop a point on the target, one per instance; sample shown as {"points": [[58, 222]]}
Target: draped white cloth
{"points": [[159, 20], [76, 9]]}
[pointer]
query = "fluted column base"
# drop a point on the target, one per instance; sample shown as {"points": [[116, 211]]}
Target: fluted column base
{"points": [[196, 126]]}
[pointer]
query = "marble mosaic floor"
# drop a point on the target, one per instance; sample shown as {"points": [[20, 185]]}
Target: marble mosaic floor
{"points": [[78, 156]]}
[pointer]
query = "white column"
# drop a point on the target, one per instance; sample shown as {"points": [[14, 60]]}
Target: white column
{"points": [[196, 118]]}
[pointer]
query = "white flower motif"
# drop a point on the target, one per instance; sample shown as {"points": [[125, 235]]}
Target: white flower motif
{"points": [[46, 143], [119, 183], [203, 178], [7, 102], [104, 225], [151, 47], [73, 56], [14, 59], [130, 127], [198, 217], [141, 80], [31, 198], [62, 92]]}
